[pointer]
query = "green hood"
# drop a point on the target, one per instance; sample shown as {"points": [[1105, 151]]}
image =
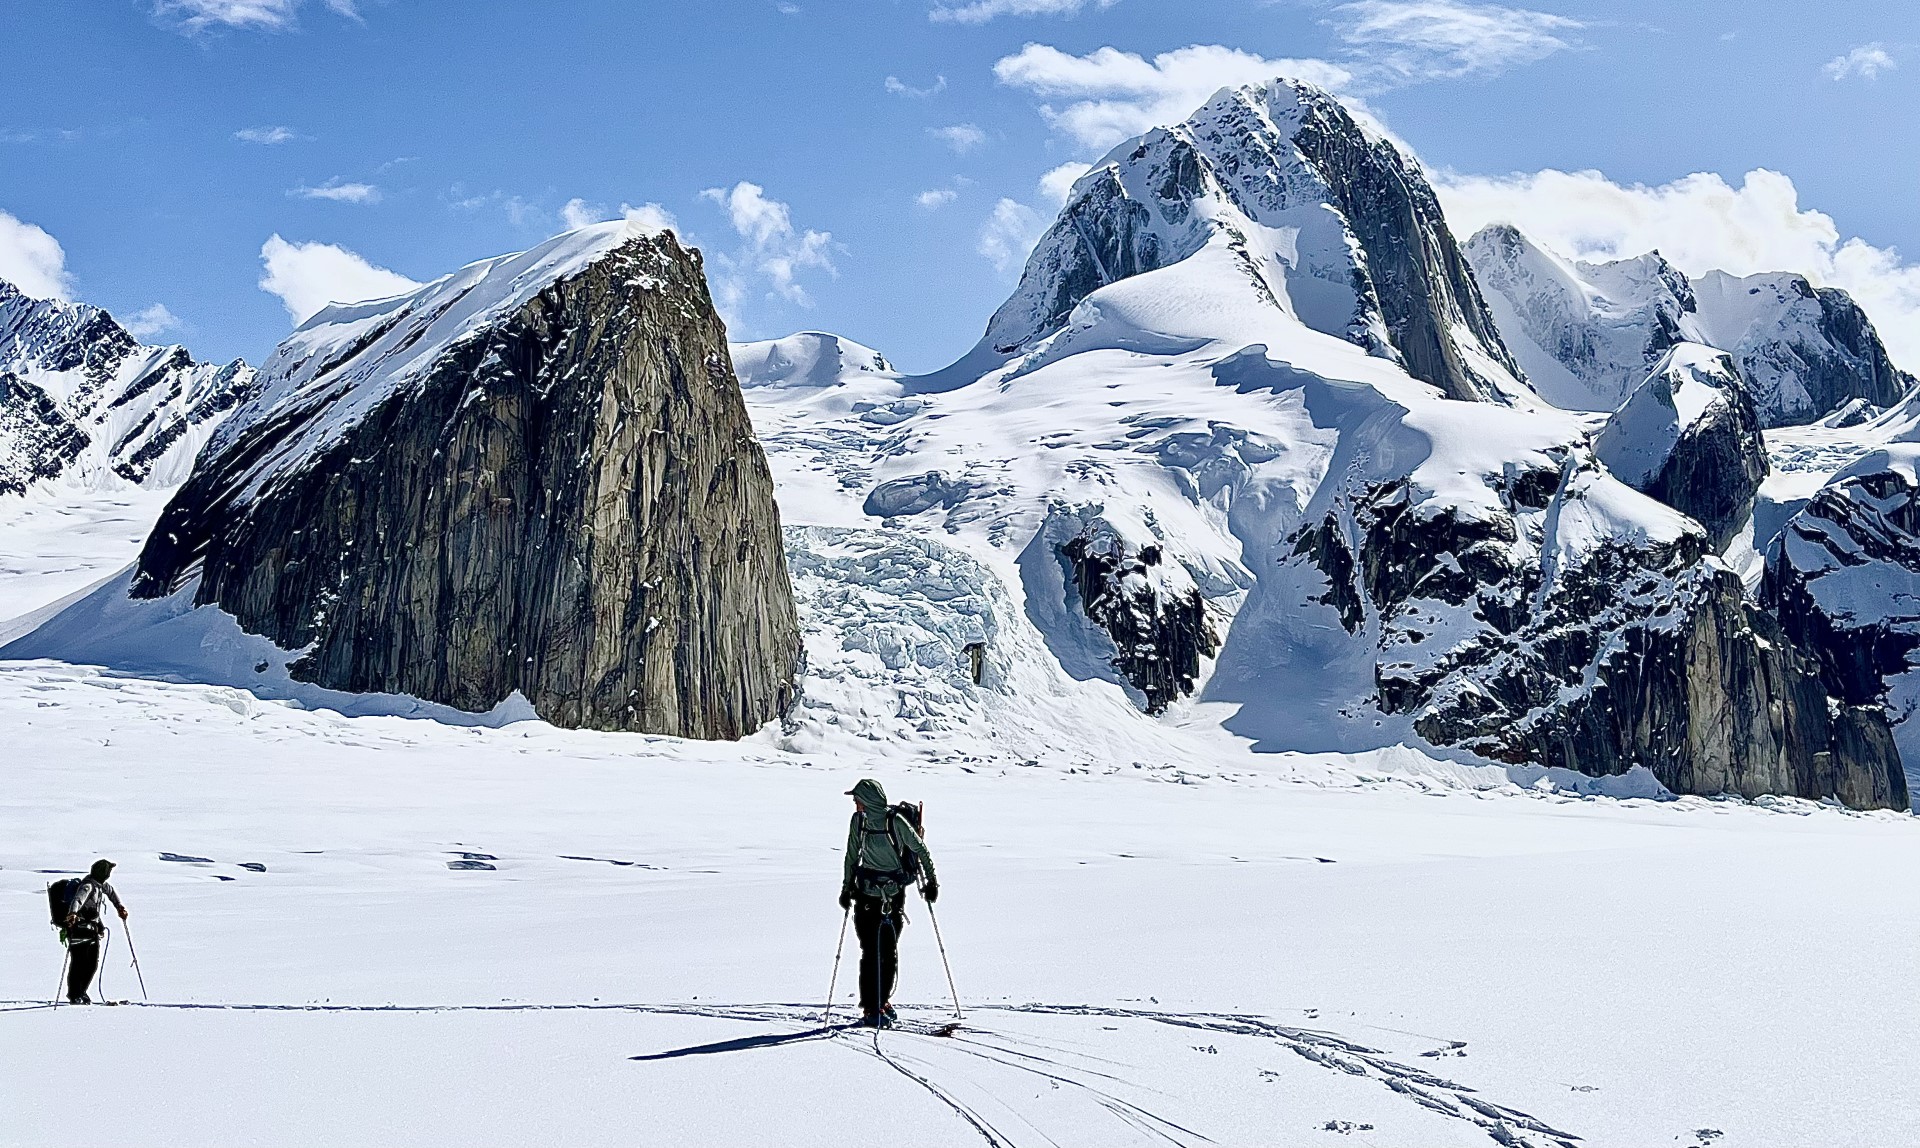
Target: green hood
{"points": [[871, 797]]}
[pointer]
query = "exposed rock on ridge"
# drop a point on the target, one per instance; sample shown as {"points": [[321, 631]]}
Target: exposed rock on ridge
{"points": [[1588, 333], [1689, 437], [80, 396], [535, 475], [1583, 629], [1330, 223]]}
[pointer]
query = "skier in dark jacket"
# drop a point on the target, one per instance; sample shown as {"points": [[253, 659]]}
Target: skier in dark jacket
{"points": [[84, 930], [874, 885]]}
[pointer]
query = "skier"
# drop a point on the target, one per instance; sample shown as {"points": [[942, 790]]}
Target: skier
{"points": [[884, 855], [84, 930]]}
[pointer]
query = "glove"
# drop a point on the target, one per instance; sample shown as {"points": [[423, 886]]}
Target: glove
{"points": [[846, 897], [123, 914], [931, 891]]}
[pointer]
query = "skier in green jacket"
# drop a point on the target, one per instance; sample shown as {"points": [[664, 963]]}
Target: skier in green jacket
{"points": [[882, 851]]}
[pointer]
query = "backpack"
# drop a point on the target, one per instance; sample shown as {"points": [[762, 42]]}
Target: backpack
{"points": [[60, 897], [913, 815]]}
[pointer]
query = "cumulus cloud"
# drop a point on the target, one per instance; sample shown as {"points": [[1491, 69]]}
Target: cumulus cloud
{"points": [[1113, 94], [266, 135], [773, 249], [308, 276], [962, 138], [261, 15], [1699, 223], [339, 192], [151, 322], [937, 198], [1058, 182], [1415, 40], [1008, 234], [1867, 61], [981, 11], [32, 260], [900, 87]]}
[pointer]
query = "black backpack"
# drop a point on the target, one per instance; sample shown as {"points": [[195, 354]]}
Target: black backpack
{"points": [[913, 815], [60, 898]]}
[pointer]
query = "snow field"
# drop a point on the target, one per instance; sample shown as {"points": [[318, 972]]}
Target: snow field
{"points": [[1624, 971]]}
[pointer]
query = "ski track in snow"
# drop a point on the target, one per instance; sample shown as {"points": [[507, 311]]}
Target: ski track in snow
{"points": [[917, 1050]]}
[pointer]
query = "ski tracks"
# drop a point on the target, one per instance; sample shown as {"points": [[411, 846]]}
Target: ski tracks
{"points": [[972, 1070]]}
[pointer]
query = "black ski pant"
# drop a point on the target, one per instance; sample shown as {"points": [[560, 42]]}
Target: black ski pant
{"points": [[878, 923], [83, 960]]}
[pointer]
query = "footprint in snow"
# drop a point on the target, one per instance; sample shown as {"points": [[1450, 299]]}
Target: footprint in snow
{"points": [[184, 859]]}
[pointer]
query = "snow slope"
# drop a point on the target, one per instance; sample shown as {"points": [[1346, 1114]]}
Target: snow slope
{"points": [[530, 936]]}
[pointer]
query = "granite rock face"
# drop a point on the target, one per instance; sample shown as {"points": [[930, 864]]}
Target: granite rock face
{"points": [[1844, 577], [1582, 629], [535, 475], [81, 397]]}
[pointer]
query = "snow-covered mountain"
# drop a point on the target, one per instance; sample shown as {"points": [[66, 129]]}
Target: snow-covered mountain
{"points": [[1587, 334], [1319, 218], [1224, 469], [805, 359], [82, 400]]}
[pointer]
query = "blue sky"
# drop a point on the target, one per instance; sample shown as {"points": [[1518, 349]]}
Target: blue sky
{"points": [[876, 167]]}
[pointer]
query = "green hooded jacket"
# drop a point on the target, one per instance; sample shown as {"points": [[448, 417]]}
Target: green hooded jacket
{"points": [[873, 848]]}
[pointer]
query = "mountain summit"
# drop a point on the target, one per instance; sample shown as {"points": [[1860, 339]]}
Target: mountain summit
{"points": [[1321, 218]]}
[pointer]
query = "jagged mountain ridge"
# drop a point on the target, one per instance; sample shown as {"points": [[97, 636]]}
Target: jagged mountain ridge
{"points": [[1587, 334], [82, 399], [532, 476], [1239, 509], [1326, 221]]}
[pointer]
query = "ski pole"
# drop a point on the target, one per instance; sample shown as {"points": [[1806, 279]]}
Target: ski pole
{"points": [[834, 982], [934, 917], [66, 955], [135, 954]]}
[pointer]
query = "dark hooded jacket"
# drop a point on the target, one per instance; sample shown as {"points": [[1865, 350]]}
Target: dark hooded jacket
{"points": [[870, 848]]}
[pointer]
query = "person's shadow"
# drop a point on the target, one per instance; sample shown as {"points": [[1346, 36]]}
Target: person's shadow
{"points": [[745, 1043]]}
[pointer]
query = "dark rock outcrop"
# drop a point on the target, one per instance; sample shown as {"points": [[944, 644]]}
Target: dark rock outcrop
{"points": [[1371, 259], [1581, 628], [77, 391], [1844, 577], [1689, 437], [536, 475], [1147, 604]]}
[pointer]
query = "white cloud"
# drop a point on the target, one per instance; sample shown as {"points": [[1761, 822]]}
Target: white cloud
{"points": [[266, 135], [1867, 61], [651, 216], [1700, 223], [1058, 182], [899, 87], [1009, 234], [308, 276], [577, 212], [264, 15], [32, 260], [787, 9], [339, 192], [149, 322], [1118, 94], [962, 138], [937, 198], [981, 11], [773, 248], [1414, 40]]}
